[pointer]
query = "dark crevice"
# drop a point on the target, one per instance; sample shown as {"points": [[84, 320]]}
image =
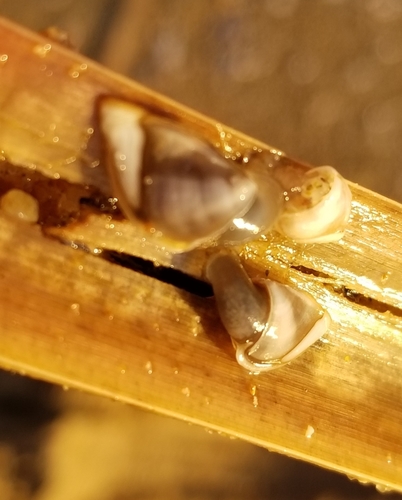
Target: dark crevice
{"points": [[363, 300], [313, 272], [165, 274], [62, 202], [351, 295]]}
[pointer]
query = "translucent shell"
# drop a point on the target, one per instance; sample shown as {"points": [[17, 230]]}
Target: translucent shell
{"points": [[270, 323], [177, 183], [318, 207], [181, 188]]}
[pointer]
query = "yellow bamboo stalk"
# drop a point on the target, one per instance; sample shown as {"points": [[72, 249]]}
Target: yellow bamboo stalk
{"points": [[69, 316]]}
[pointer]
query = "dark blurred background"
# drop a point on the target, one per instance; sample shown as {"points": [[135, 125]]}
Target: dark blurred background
{"points": [[319, 79]]}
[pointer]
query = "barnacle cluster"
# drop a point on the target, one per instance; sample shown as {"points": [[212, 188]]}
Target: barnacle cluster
{"points": [[177, 183]]}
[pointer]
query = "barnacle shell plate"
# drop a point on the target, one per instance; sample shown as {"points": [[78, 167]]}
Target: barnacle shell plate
{"points": [[320, 211], [294, 323], [270, 323], [171, 180]]}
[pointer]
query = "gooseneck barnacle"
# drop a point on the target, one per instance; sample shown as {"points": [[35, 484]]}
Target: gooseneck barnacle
{"points": [[169, 179]]}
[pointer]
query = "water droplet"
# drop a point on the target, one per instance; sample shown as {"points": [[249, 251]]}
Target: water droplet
{"points": [[76, 70], [75, 309], [42, 50], [385, 277], [20, 205], [148, 367], [383, 488], [253, 392], [185, 391], [123, 371], [389, 458], [65, 388], [207, 401], [309, 431], [3, 59], [176, 371]]}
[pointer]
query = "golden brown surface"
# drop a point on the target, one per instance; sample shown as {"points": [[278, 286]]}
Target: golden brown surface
{"points": [[74, 318]]}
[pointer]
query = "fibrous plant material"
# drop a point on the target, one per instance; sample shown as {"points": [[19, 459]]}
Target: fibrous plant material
{"points": [[82, 302]]}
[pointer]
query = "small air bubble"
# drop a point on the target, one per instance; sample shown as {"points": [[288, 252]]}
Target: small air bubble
{"points": [[309, 431], [185, 391], [148, 367]]}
